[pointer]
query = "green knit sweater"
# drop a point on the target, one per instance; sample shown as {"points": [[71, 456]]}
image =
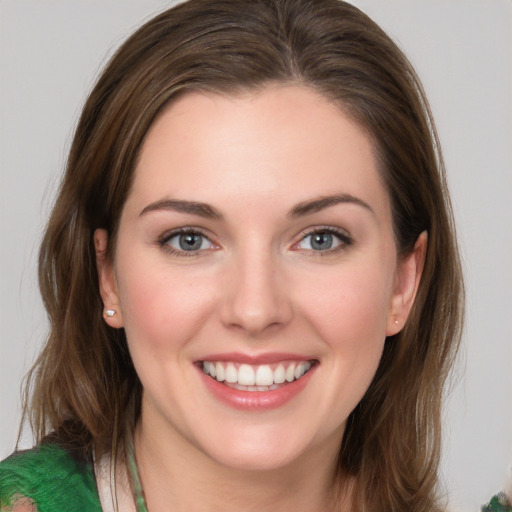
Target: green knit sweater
{"points": [[51, 478]]}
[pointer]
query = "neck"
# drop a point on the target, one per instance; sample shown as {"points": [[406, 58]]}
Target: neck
{"points": [[177, 474]]}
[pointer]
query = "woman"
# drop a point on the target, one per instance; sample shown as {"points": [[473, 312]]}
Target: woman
{"points": [[251, 273]]}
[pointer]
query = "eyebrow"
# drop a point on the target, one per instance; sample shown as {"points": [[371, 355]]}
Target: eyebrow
{"points": [[178, 205], [316, 205], [207, 211]]}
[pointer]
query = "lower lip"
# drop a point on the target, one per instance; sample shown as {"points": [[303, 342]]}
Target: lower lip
{"points": [[257, 400]]}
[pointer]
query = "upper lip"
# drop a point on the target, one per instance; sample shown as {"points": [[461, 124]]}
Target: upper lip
{"points": [[256, 359]]}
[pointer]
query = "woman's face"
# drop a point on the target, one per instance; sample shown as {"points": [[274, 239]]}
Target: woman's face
{"points": [[256, 275]]}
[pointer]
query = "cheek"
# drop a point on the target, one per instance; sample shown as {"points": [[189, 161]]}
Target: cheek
{"points": [[350, 307], [160, 308]]}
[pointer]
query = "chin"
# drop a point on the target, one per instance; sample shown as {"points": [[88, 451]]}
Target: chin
{"points": [[267, 448], [256, 459]]}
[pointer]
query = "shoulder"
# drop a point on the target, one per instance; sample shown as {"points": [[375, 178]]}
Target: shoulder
{"points": [[47, 478]]}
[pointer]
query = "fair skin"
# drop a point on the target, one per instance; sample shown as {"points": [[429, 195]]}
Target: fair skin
{"points": [[288, 259]]}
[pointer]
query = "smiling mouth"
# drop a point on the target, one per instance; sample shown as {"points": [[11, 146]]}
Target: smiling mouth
{"points": [[265, 377]]}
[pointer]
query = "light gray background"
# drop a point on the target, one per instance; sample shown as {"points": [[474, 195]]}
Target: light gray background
{"points": [[51, 50]]}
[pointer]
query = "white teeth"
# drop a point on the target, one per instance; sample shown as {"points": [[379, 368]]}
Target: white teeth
{"points": [[252, 388], [290, 373], [207, 367], [255, 378], [246, 375], [301, 369], [264, 376], [279, 375], [221, 374], [231, 373]]}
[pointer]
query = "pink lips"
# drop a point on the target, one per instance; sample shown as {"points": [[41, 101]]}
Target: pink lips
{"points": [[256, 400]]}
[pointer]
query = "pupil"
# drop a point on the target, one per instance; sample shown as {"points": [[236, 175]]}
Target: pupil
{"points": [[321, 241], [190, 242]]}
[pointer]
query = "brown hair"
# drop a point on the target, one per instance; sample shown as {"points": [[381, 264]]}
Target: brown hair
{"points": [[84, 386]]}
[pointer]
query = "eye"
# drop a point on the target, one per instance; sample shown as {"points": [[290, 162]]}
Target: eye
{"points": [[324, 240], [186, 242]]}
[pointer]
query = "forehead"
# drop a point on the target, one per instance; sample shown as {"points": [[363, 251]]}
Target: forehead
{"points": [[286, 142]]}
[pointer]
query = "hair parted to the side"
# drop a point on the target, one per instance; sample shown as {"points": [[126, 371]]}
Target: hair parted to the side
{"points": [[84, 386]]}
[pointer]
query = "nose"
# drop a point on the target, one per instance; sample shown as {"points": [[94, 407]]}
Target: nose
{"points": [[256, 299]]}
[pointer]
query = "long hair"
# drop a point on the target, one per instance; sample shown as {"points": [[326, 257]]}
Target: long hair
{"points": [[84, 386]]}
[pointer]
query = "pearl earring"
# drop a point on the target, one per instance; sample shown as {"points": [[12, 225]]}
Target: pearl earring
{"points": [[110, 312]]}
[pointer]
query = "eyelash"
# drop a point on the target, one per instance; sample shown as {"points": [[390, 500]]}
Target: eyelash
{"points": [[345, 240]]}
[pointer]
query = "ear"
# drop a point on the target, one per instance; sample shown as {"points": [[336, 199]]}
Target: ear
{"points": [[407, 279], [107, 281]]}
